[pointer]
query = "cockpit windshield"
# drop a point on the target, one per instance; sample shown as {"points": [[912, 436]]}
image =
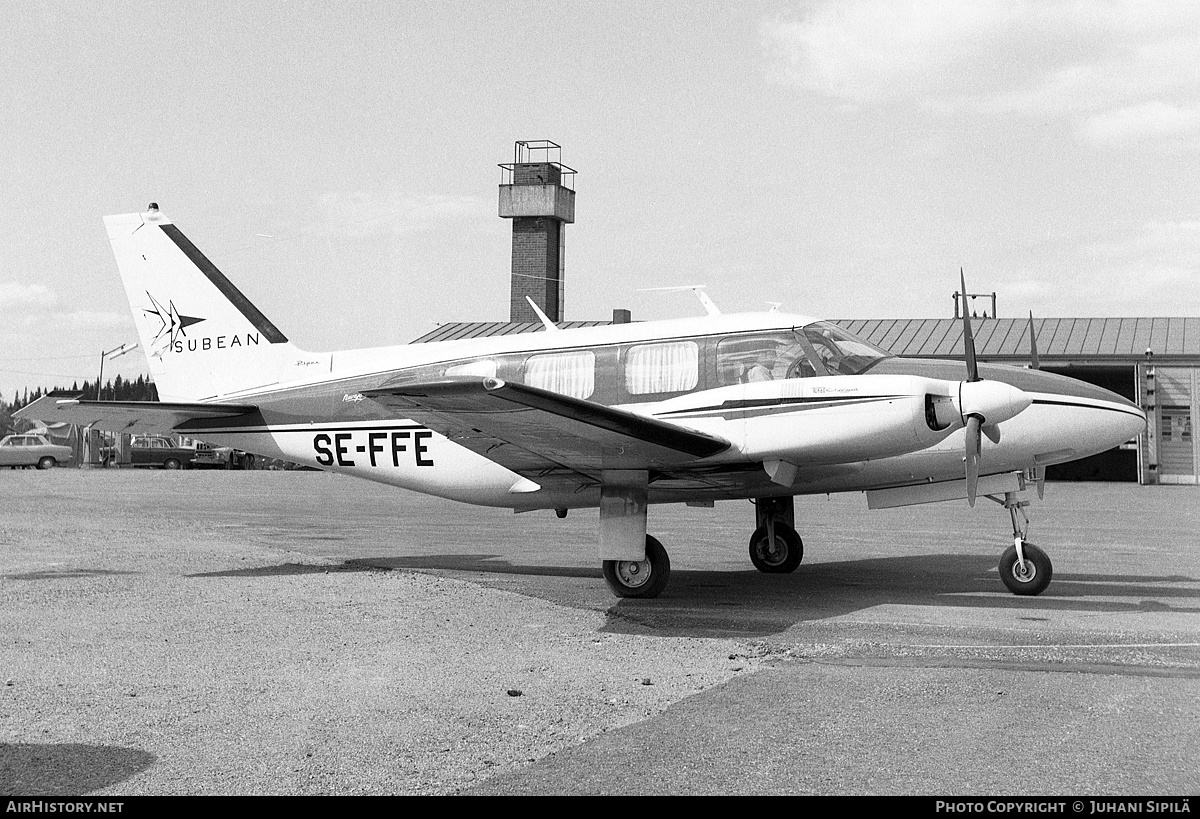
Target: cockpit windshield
{"points": [[840, 351], [816, 349]]}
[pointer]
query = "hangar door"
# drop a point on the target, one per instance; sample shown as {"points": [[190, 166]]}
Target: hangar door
{"points": [[1177, 407], [1119, 463]]}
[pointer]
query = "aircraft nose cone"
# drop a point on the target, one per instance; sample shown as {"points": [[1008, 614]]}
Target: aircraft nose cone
{"points": [[1101, 419], [1135, 425]]}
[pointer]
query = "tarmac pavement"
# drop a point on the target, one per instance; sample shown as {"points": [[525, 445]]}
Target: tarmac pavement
{"points": [[300, 633]]}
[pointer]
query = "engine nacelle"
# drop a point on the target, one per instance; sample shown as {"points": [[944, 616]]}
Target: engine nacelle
{"points": [[843, 419]]}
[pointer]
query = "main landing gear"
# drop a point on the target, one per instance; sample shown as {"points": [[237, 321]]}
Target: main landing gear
{"points": [[1024, 568], [775, 547], [640, 578]]}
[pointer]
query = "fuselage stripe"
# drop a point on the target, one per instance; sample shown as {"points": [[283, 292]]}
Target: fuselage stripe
{"points": [[1090, 405], [269, 429]]}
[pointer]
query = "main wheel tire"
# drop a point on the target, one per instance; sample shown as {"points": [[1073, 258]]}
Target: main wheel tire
{"points": [[780, 557], [1035, 576], [47, 462], [640, 578]]}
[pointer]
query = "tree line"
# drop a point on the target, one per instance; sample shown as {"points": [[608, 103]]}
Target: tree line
{"points": [[115, 389]]}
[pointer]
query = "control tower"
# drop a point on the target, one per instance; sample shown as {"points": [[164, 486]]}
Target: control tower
{"points": [[536, 193]]}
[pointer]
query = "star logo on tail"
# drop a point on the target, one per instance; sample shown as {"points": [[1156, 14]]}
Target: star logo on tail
{"points": [[172, 324]]}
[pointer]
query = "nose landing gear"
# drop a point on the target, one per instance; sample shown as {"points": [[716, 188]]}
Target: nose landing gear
{"points": [[1024, 568]]}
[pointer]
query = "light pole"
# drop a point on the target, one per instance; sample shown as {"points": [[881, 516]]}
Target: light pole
{"points": [[115, 352]]}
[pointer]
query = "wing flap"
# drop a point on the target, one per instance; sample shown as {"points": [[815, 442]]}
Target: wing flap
{"points": [[531, 430], [125, 416]]}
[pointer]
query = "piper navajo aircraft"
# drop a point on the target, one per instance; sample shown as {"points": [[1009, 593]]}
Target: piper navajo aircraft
{"points": [[761, 406]]}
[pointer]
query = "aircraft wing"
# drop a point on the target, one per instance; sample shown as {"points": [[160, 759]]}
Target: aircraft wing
{"points": [[534, 431], [125, 416]]}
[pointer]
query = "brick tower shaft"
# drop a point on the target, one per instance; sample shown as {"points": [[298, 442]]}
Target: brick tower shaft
{"points": [[534, 196]]}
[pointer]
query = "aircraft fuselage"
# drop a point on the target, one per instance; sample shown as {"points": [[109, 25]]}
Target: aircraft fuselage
{"points": [[840, 415]]}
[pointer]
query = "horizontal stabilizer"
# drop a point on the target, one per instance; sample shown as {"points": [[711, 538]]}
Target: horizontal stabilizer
{"points": [[528, 429], [125, 416]]}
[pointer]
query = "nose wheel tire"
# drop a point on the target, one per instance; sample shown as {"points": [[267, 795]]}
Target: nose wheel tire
{"points": [[640, 578], [780, 555], [1031, 578]]}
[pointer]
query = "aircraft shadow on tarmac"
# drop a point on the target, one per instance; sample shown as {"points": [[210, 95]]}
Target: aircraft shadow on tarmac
{"points": [[34, 769], [718, 603]]}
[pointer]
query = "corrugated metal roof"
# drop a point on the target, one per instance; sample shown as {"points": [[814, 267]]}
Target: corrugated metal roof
{"points": [[1094, 338], [481, 329], [996, 339]]}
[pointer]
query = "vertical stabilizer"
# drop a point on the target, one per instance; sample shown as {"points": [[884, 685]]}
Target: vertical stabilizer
{"points": [[203, 338]]}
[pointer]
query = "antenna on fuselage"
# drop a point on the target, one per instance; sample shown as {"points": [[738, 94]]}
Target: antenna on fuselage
{"points": [[710, 306], [1034, 364], [550, 326]]}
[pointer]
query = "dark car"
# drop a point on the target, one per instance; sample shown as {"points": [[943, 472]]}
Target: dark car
{"points": [[159, 451]]}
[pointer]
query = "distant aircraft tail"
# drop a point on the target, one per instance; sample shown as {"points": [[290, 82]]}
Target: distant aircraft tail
{"points": [[203, 338]]}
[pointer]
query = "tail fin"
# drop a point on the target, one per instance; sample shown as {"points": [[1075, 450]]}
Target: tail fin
{"points": [[202, 337]]}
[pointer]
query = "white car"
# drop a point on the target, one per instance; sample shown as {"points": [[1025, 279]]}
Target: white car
{"points": [[32, 450]]}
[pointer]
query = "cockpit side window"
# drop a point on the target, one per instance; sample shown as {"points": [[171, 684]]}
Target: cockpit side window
{"points": [[745, 359]]}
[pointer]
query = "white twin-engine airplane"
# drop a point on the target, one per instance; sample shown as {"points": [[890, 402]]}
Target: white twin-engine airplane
{"points": [[761, 406]]}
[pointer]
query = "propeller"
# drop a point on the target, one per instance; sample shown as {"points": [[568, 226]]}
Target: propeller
{"points": [[982, 404], [974, 421]]}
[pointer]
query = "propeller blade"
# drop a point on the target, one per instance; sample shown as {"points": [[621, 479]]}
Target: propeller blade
{"points": [[968, 337], [992, 431], [974, 425], [1033, 356]]}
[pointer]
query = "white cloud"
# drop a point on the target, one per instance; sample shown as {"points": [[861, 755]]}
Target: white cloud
{"points": [[1154, 119], [15, 294], [872, 51], [1102, 64], [92, 319], [1176, 243], [26, 306], [361, 214], [1153, 271]]}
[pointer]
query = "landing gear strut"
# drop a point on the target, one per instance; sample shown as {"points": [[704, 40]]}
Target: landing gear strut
{"points": [[775, 547], [1024, 568]]}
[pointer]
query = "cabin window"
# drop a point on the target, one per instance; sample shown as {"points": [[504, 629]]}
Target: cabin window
{"points": [[485, 368], [670, 367], [572, 373]]}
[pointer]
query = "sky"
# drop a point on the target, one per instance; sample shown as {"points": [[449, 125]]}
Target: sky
{"points": [[338, 161]]}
